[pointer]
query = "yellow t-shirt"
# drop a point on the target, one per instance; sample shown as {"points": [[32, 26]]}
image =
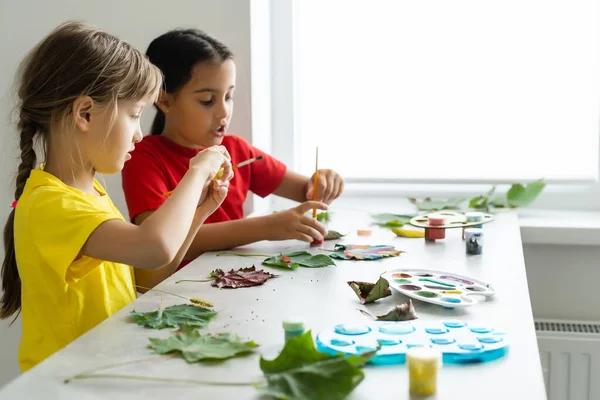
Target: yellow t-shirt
{"points": [[63, 294]]}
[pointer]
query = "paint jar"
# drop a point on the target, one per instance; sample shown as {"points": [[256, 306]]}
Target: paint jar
{"points": [[475, 216], [474, 239], [423, 365], [293, 327]]}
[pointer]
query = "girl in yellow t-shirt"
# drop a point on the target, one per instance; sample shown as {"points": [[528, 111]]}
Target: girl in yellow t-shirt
{"points": [[68, 249]]}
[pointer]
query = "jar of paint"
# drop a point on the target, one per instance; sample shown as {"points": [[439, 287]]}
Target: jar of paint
{"points": [[475, 216], [293, 327], [474, 239], [423, 365]]}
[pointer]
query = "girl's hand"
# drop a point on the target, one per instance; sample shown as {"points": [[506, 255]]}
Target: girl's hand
{"points": [[211, 160], [212, 197], [293, 224], [330, 186]]}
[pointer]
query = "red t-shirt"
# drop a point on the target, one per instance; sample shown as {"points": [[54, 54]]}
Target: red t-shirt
{"points": [[157, 165]]}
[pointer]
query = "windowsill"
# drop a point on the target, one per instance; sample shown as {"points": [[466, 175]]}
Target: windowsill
{"points": [[560, 227]]}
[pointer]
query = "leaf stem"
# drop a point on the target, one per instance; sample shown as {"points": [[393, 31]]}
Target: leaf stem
{"points": [[233, 253], [194, 300], [159, 379], [194, 280]]}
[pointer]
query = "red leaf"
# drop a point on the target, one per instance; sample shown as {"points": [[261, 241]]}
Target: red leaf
{"points": [[243, 277]]}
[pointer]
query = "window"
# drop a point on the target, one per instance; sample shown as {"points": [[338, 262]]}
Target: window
{"points": [[447, 91]]}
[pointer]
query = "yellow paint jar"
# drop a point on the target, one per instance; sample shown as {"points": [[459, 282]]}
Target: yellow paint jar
{"points": [[423, 365]]}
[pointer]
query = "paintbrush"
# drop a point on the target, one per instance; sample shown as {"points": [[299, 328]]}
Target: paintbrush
{"points": [[241, 164], [316, 179]]}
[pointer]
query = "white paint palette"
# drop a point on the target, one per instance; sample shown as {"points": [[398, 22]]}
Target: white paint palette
{"points": [[443, 288]]}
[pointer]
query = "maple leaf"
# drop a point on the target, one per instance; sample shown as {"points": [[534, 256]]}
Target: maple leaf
{"points": [[299, 258], [369, 292], [175, 316], [300, 371], [243, 277], [333, 235], [194, 347]]}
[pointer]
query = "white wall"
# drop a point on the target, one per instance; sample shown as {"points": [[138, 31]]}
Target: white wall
{"points": [[25, 22]]}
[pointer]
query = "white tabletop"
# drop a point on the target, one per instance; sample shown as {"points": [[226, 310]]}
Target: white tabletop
{"points": [[323, 298]]}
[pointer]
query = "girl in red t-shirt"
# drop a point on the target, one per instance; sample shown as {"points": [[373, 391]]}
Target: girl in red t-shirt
{"points": [[193, 112]]}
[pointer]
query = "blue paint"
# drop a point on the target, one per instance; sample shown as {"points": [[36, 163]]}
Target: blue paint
{"points": [[450, 300], [442, 340], [455, 324], [490, 339], [388, 342], [436, 331], [341, 342]]}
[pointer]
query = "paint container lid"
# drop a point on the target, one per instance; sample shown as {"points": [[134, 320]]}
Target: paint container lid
{"points": [[423, 356], [474, 216], [293, 324], [436, 220], [477, 232]]}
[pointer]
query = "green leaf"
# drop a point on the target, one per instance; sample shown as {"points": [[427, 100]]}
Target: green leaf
{"points": [[174, 317], [324, 216], [428, 204], [333, 235], [521, 196], [299, 258], [301, 372], [369, 292], [391, 220], [194, 347]]}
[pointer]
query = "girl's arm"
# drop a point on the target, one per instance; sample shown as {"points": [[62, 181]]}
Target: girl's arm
{"points": [[288, 224], [300, 188], [157, 241]]}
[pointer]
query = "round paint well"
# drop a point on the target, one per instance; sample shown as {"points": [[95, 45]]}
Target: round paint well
{"points": [[424, 275], [350, 329], [410, 346], [410, 287], [481, 329], [455, 324], [388, 342], [397, 329], [436, 331], [402, 280], [442, 341], [427, 294], [489, 339], [341, 342], [365, 349], [450, 300], [403, 275], [471, 346]]}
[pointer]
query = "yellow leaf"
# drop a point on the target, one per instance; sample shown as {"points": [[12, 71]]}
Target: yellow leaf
{"points": [[409, 233]]}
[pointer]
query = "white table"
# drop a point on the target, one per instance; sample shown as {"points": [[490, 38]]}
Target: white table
{"points": [[323, 298]]}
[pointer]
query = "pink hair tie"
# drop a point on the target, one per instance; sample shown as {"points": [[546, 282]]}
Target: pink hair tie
{"points": [[14, 204]]}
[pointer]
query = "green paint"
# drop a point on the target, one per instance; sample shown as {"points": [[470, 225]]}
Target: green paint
{"points": [[437, 282], [427, 294], [402, 280]]}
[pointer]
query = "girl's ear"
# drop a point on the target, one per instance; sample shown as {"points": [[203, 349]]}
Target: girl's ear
{"points": [[82, 107], [164, 102]]}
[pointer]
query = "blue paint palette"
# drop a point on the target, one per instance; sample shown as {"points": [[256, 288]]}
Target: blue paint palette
{"points": [[458, 341], [445, 289]]}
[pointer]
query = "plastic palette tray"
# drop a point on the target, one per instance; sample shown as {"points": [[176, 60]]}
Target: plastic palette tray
{"points": [[458, 341]]}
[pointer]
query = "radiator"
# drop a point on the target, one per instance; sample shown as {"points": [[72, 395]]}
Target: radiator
{"points": [[570, 357]]}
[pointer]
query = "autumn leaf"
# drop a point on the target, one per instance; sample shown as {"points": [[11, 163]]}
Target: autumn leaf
{"points": [[243, 277], [299, 258], [194, 347], [301, 372], [333, 235], [369, 292], [391, 220], [364, 252], [175, 316], [403, 312]]}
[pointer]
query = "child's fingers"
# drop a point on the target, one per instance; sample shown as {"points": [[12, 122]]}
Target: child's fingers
{"points": [[303, 237], [311, 222], [329, 188], [309, 231], [309, 205]]}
